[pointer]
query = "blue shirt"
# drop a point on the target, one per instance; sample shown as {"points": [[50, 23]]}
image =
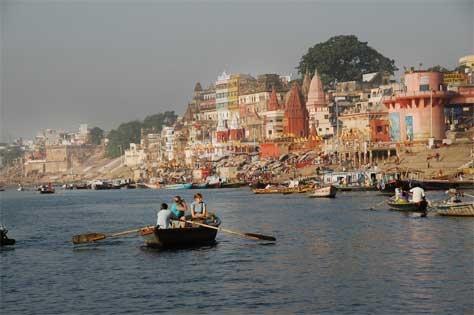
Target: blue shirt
{"points": [[176, 213]]}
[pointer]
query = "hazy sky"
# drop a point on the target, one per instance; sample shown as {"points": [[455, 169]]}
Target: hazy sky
{"points": [[104, 62]]}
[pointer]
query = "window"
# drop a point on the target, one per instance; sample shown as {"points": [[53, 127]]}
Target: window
{"points": [[379, 128], [424, 87], [326, 116]]}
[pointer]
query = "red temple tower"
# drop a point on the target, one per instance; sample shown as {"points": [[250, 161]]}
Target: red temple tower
{"points": [[296, 114]]}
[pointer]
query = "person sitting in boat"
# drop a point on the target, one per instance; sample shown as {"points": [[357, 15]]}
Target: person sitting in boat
{"points": [[163, 217], [454, 195], [178, 209], [198, 207], [418, 197], [417, 194]]}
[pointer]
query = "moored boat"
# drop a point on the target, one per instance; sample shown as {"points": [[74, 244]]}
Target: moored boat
{"points": [[179, 186], [324, 192], [233, 185], [356, 188], [189, 236], [200, 186]]}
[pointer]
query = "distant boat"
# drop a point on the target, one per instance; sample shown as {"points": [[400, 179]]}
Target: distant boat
{"points": [[356, 188], [233, 185], [179, 186], [46, 190], [153, 186], [459, 209], [4, 240], [200, 186], [324, 192]]}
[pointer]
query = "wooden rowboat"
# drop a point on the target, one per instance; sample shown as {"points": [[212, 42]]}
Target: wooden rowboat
{"points": [[283, 190], [408, 206], [189, 236], [324, 192], [460, 209], [4, 240]]}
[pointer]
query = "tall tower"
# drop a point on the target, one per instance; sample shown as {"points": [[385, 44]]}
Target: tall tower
{"points": [[296, 114], [317, 107]]}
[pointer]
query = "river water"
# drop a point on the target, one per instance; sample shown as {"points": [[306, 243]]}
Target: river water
{"points": [[331, 257]]}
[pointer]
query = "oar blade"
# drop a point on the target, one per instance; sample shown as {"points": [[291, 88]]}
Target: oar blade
{"points": [[261, 237], [87, 238]]}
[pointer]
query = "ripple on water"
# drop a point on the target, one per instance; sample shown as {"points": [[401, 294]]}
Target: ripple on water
{"points": [[331, 257]]}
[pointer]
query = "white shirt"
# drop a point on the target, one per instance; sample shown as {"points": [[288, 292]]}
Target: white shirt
{"points": [[417, 194]]}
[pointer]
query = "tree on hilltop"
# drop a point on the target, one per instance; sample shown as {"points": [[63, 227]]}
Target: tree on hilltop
{"points": [[96, 135], [344, 58], [130, 132]]}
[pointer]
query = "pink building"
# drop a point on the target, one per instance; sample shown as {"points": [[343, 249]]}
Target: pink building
{"points": [[418, 112]]}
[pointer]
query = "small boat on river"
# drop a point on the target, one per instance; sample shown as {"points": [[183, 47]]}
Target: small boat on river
{"points": [[282, 190], [179, 186], [407, 206], [4, 240], [182, 237], [324, 192], [458, 209], [46, 189]]}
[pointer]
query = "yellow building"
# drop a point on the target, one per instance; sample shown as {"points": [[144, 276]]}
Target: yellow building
{"points": [[467, 61]]}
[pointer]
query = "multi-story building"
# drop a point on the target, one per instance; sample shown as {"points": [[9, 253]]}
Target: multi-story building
{"points": [[167, 143], [418, 112], [207, 106], [253, 102], [222, 99]]}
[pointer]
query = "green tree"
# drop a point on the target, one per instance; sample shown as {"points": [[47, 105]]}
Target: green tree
{"points": [[439, 68], [121, 138], [10, 154], [344, 58], [154, 123], [96, 135]]}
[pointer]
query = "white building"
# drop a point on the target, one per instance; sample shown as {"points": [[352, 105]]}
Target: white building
{"points": [[222, 93], [168, 141], [134, 156]]}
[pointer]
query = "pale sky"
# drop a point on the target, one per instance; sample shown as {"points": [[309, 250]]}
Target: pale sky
{"points": [[104, 62]]}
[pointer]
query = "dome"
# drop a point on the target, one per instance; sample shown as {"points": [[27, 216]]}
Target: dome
{"points": [[316, 91]]}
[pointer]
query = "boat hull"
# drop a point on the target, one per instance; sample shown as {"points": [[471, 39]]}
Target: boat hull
{"points": [[457, 210], [408, 207], [179, 237], [46, 191], [7, 242], [324, 192], [179, 186]]}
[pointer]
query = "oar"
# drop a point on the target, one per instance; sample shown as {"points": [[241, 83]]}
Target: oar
{"points": [[250, 235], [93, 237], [469, 195], [378, 204]]}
